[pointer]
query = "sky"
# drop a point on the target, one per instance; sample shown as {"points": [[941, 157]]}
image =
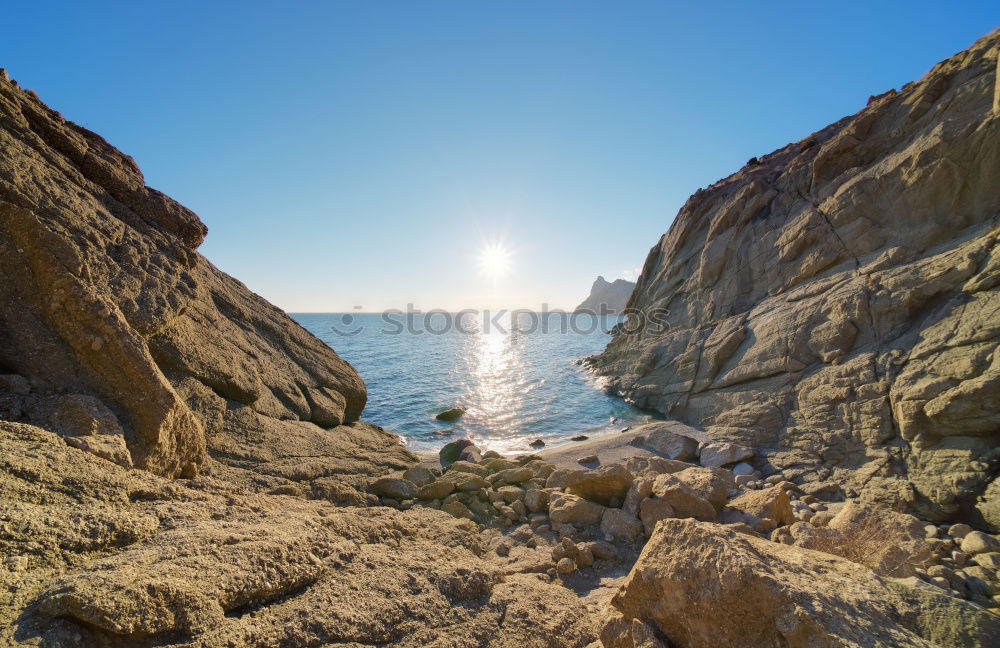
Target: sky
{"points": [[370, 154]]}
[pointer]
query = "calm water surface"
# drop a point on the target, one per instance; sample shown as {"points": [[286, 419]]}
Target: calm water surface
{"points": [[519, 383]]}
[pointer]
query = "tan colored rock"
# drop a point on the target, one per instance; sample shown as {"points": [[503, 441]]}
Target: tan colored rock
{"points": [[685, 501], [602, 485], [711, 484], [770, 503], [438, 489], [622, 525], [571, 509], [667, 440], [832, 306], [691, 572], [651, 511]]}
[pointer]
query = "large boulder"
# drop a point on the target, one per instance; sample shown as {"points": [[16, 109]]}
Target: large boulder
{"points": [[603, 485], [702, 585], [832, 305], [768, 503], [105, 296], [685, 501]]}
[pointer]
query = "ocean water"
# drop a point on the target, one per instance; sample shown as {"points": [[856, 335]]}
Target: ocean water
{"points": [[518, 382]]}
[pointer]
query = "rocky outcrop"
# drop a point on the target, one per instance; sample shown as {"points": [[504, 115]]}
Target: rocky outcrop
{"points": [[105, 297], [95, 555], [607, 297], [698, 585], [833, 305]]}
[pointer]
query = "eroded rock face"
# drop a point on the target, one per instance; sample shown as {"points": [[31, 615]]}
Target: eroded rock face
{"points": [[777, 595], [104, 294], [833, 306], [108, 556]]}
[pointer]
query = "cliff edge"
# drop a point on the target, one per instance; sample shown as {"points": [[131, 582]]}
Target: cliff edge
{"points": [[833, 305]]}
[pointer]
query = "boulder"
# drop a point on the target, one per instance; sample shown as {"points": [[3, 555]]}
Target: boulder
{"points": [[395, 488], [460, 450], [712, 484], [602, 485], [451, 415], [977, 542], [663, 439], [419, 475], [651, 511], [771, 594], [571, 509], [620, 524], [723, 454], [772, 503], [685, 501], [436, 490]]}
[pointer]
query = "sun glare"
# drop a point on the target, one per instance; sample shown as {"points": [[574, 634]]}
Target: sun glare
{"points": [[494, 261]]}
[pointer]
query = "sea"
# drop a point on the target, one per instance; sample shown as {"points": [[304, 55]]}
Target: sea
{"points": [[518, 376]]}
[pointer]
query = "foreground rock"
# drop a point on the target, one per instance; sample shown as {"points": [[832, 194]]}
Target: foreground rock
{"points": [[769, 594], [105, 297], [833, 305]]}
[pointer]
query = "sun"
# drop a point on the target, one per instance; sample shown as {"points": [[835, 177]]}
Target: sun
{"points": [[494, 261]]}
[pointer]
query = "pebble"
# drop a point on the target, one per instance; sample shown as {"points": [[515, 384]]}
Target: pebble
{"points": [[566, 565], [931, 531], [17, 563], [959, 530]]}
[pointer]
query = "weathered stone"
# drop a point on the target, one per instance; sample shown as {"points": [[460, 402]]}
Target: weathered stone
{"points": [[622, 525], [711, 484], [685, 501], [438, 489], [977, 542], [571, 509], [395, 488], [651, 511], [770, 503], [536, 500], [419, 475], [601, 485], [690, 573], [460, 450], [664, 439], [834, 304], [723, 454]]}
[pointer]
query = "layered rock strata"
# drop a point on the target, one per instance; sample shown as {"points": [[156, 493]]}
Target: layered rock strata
{"points": [[833, 305]]}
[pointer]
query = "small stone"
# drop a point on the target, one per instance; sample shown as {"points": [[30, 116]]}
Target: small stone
{"points": [[566, 565], [580, 437], [537, 443], [743, 480], [775, 479], [451, 415], [17, 563], [589, 459], [518, 507], [977, 542], [959, 557], [959, 530], [503, 549], [536, 500], [931, 531], [584, 555], [941, 582], [515, 475], [990, 560]]}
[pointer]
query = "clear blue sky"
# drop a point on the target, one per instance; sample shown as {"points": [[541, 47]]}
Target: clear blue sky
{"points": [[363, 153]]}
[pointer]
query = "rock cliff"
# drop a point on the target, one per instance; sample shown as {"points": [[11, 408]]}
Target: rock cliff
{"points": [[833, 305], [606, 296]]}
